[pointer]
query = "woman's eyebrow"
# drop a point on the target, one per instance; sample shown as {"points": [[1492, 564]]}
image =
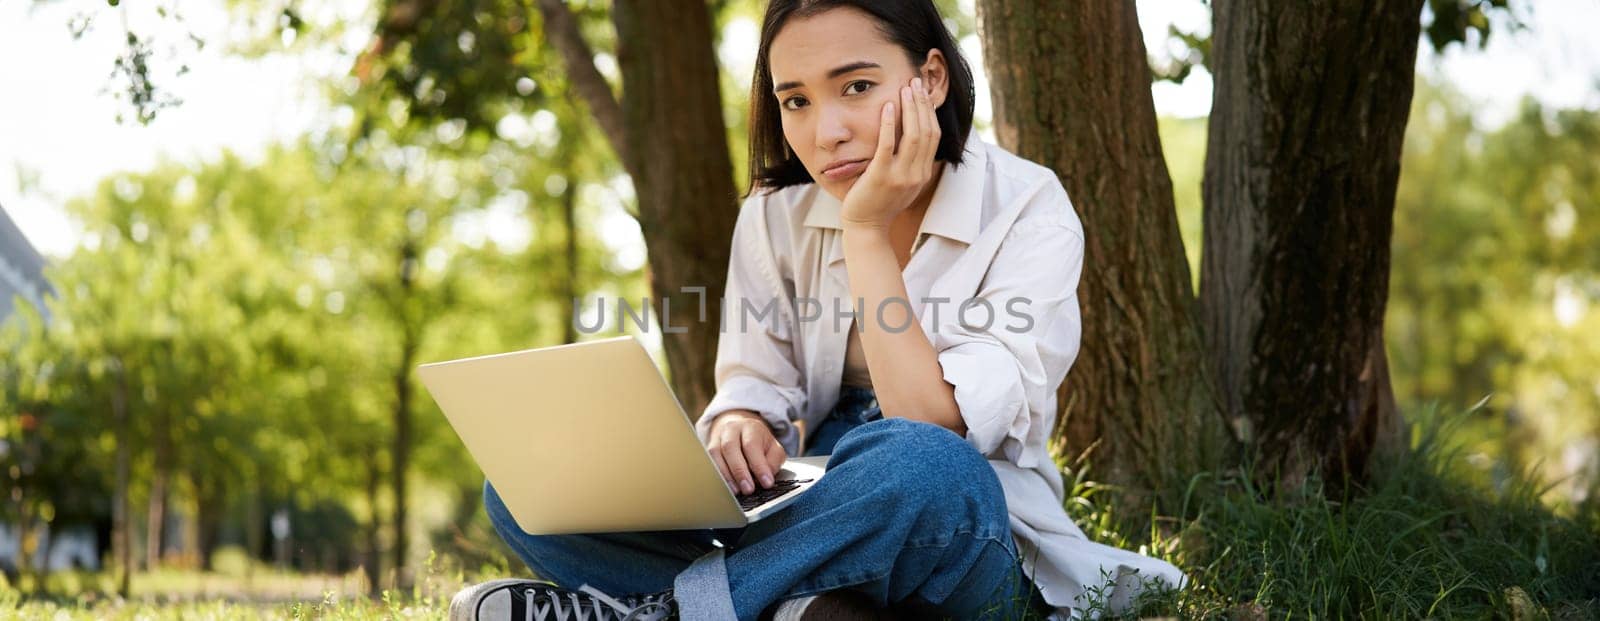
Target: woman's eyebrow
{"points": [[833, 73]]}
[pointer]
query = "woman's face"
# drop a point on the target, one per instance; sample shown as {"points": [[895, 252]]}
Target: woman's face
{"points": [[832, 73]]}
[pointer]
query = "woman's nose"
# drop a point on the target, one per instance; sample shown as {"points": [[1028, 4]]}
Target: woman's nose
{"points": [[832, 128]]}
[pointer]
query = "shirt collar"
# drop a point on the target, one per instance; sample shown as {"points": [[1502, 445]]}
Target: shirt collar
{"points": [[955, 209]]}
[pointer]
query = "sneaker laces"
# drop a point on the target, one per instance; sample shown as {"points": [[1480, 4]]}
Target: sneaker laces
{"points": [[654, 607]]}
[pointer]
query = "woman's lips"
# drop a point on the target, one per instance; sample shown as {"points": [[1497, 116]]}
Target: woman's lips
{"points": [[845, 171]]}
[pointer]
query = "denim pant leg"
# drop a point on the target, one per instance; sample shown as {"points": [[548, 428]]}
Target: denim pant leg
{"points": [[909, 514], [857, 405], [619, 564]]}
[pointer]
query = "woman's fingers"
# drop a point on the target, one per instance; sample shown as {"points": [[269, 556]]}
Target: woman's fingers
{"points": [[733, 454], [910, 139], [930, 125], [885, 153], [776, 456], [722, 467], [755, 454]]}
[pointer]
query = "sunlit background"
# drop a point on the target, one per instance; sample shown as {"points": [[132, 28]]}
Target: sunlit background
{"points": [[1495, 290]]}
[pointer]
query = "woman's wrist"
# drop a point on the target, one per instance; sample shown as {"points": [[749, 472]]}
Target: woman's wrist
{"points": [[732, 415], [854, 229]]}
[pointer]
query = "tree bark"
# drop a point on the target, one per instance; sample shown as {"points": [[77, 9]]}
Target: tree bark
{"points": [[561, 30], [1302, 162], [256, 532], [410, 342], [25, 543], [47, 545], [372, 561], [208, 513], [155, 525], [156, 517], [1071, 90], [674, 145], [120, 509], [569, 277], [682, 175]]}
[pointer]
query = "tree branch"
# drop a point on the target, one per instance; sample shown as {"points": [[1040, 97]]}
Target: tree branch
{"points": [[399, 21], [561, 30]]}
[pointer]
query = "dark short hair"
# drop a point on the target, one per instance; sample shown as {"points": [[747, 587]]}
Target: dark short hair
{"points": [[914, 25]]}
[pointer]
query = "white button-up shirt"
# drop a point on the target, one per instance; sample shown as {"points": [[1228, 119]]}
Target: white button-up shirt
{"points": [[1000, 229]]}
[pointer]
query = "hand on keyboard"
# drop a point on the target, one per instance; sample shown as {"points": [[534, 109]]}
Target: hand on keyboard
{"points": [[745, 452]]}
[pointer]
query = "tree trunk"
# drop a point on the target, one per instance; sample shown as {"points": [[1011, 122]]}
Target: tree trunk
{"points": [[674, 144], [569, 228], [373, 562], [120, 508], [678, 158], [410, 342], [156, 515], [208, 509], [255, 535], [1302, 162], [1071, 90], [26, 535], [155, 525], [402, 457], [47, 545]]}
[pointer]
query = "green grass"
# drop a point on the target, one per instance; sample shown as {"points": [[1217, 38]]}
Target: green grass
{"points": [[1431, 538], [237, 592]]}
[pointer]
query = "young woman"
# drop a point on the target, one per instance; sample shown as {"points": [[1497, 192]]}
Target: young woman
{"points": [[871, 193]]}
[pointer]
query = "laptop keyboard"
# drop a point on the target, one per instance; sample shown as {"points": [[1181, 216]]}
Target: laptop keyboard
{"points": [[761, 496]]}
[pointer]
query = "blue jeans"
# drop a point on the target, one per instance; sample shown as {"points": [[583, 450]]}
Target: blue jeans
{"points": [[909, 515]]}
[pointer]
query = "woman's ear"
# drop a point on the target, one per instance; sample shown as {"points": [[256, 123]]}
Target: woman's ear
{"points": [[936, 76]]}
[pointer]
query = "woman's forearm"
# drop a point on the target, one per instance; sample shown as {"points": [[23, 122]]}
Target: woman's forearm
{"points": [[905, 370]]}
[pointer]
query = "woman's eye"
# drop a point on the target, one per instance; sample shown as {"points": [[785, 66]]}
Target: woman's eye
{"points": [[854, 88]]}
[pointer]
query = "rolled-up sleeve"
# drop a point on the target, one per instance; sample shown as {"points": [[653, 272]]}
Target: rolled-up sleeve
{"points": [[757, 368], [1006, 372]]}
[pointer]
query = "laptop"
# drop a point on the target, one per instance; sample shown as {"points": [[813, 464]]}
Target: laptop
{"points": [[588, 438]]}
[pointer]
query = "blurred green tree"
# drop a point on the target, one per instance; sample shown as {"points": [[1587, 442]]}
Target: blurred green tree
{"points": [[237, 333], [1497, 255]]}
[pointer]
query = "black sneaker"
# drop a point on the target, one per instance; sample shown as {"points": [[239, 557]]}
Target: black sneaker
{"points": [[537, 600]]}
